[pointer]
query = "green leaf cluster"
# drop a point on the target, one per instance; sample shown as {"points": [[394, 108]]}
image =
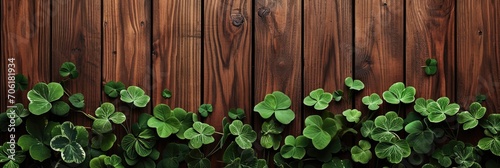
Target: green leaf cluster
{"points": [[319, 99], [70, 142], [278, 104]]}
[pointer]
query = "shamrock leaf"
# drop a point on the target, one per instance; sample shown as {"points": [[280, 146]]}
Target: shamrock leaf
{"points": [[394, 151], [16, 112], [60, 108], [367, 128], [479, 98], [490, 143], [77, 100], [320, 131], [196, 159], [200, 134], [399, 93], [67, 143], [419, 137], [134, 95], [271, 134], [138, 145], [278, 104], [361, 153], [21, 82], [421, 106], [354, 84], [386, 125], [205, 109], [236, 114], [245, 135], [11, 155], [103, 141], [166, 93], [464, 155], [373, 101], [104, 161], [439, 108], [470, 118], [42, 95], [430, 67], [37, 140], [164, 121], [319, 99], [112, 88], [68, 69], [173, 154], [352, 115], [104, 115], [186, 120], [294, 148], [492, 124], [337, 95]]}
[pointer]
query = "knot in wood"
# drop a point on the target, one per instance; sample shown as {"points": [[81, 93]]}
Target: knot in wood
{"points": [[237, 19], [264, 11]]}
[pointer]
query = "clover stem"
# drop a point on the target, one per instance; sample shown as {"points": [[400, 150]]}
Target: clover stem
{"points": [[215, 149], [125, 128], [67, 92], [449, 127], [87, 115], [397, 136], [220, 133]]}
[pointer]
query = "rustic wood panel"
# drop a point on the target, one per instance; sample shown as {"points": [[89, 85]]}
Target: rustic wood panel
{"points": [[177, 52], [478, 56], [76, 37], [379, 49], [328, 49], [227, 61], [430, 29]]}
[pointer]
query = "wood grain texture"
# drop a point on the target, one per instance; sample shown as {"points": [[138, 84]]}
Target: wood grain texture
{"points": [[177, 52], [76, 37], [25, 36], [478, 55], [430, 33], [328, 49], [379, 49], [227, 61]]}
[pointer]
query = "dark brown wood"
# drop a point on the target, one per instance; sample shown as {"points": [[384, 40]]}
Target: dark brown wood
{"points": [[177, 52], [227, 61], [430, 29], [328, 49]]}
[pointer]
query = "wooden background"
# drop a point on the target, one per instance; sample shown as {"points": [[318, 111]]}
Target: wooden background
{"points": [[231, 53]]}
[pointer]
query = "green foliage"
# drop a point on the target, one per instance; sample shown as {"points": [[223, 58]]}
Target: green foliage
{"points": [[440, 108], [421, 106], [164, 121], [337, 95], [354, 84], [470, 119], [319, 99], [134, 95], [21, 82], [373, 101], [419, 137], [278, 104], [236, 158], [69, 143], [196, 159], [430, 67], [200, 134], [103, 161], [386, 126], [104, 116], [236, 113], [77, 100], [480, 98], [37, 141], [103, 141], [361, 153], [352, 115], [294, 147], [337, 163], [173, 155], [42, 95], [68, 69], [320, 131], [394, 150], [491, 124], [490, 143], [113, 89], [205, 109], [11, 155], [186, 120], [166, 93], [17, 112], [271, 134], [245, 135], [398, 93]]}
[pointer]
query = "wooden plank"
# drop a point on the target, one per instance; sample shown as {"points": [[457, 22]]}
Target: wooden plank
{"points": [[328, 49], [478, 56], [430, 29], [177, 52], [278, 57], [126, 52], [379, 49], [227, 61], [76, 37]]}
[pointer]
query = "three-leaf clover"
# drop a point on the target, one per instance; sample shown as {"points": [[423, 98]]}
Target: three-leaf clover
{"points": [[352, 115], [37, 140], [104, 161], [399, 93], [386, 125], [373, 101], [245, 135], [294, 147], [319, 99], [113, 89], [105, 114], [205, 109], [134, 95], [186, 120], [164, 121], [103, 141], [68, 144], [491, 124], [491, 143], [430, 67], [361, 153], [419, 137], [320, 131], [200, 134], [354, 84], [77, 100], [42, 95], [278, 104], [394, 150], [138, 145], [470, 118], [440, 108], [236, 114], [166, 93], [421, 106], [68, 69], [271, 134]]}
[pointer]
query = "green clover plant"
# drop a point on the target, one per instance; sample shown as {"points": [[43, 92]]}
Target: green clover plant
{"points": [[134, 95], [319, 99], [278, 104], [354, 84], [398, 93]]}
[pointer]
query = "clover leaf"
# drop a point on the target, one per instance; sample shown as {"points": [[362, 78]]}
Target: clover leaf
{"points": [[164, 121], [16, 112], [103, 141], [354, 84], [42, 95], [134, 95], [113, 89], [245, 135], [294, 147], [440, 108], [386, 125], [464, 155], [337, 95], [336, 162], [491, 124], [419, 137], [480, 98], [68, 69], [430, 67], [104, 161], [60, 108], [394, 150], [105, 114], [200, 134], [138, 145], [278, 104], [166, 93], [373, 101], [186, 120], [173, 154], [470, 118], [196, 159], [319, 99], [319, 130], [77, 100], [367, 128], [352, 115], [21, 82], [37, 141], [421, 106], [68, 144], [490, 143], [271, 134], [10, 154], [236, 114], [399, 93], [205, 109], [361, 153]]}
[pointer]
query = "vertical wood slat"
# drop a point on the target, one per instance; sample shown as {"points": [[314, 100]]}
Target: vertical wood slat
{"points": [[76, 37], [430, 29], [126, 51], [478, 56], [327, 49], [379, 50], [177, 52], [227, 61]]}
